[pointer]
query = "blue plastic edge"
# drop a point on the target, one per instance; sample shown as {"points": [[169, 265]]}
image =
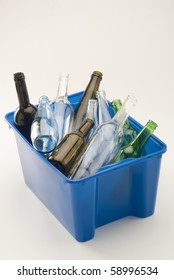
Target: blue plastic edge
{"points": [[74, 98]]}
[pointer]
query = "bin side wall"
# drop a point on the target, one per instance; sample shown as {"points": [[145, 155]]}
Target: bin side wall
{"points": [[47, 184], [114, 195], [83, 194], [130, 190], [145, 176]]}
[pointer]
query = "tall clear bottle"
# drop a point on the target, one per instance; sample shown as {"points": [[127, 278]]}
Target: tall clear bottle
{"points": [[129, 133], [91, 113], [62, 108], [44, 129], [135, 148], [103, 144], [67, 151], [25, 112], [89, 93], [103, 107]]}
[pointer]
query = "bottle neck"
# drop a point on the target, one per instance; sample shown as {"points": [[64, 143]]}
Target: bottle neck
{"points": [[62, 92], [103, 107], [86, 127], [92, 110], [22, 92], [43, 106], [94, 83], [123, 113], [116, 104], [139, 142], [101, 95]]}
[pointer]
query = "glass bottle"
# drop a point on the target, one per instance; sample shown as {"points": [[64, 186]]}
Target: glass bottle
{"points": [[92, 114], [129, 133], [66, 152], [103, 107], [134, 149], [62, 108], [25, 112], [103, 144], [89, 93], [44, 129]]}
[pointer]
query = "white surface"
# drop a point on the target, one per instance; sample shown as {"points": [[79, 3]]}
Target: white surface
{"points": [[132, 43]]}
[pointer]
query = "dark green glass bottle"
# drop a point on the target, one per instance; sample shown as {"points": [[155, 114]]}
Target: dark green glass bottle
{"points": [[134, 149], [129, 133], [70, 147], [89, 93], [25, 112]]}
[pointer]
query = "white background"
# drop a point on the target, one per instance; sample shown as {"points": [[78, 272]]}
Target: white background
{"points": [[132, 43]]}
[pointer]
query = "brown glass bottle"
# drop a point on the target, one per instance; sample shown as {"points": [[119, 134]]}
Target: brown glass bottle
{"points": [[70, 147], [89, 93], [24, 114]]}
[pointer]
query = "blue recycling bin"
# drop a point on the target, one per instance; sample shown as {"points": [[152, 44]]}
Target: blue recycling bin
{"points": [[115, 191]]}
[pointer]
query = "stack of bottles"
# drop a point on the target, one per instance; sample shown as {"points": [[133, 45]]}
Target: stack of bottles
{"points": [[78, 142]]}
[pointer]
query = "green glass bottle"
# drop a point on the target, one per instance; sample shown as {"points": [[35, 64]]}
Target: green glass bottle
{"points": [[134, 149], [89, 93], [129, 133], [70, 147]]}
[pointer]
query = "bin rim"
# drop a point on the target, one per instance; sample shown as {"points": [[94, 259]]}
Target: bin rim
{"points": [[102, 170]]}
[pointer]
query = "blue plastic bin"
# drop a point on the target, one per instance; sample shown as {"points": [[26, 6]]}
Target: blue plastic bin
{"points": [[115, 191]]}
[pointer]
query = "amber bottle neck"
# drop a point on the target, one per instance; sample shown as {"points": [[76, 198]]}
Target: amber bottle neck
{"points": [[86, 127]]}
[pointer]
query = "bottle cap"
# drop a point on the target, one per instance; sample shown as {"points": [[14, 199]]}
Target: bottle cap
{"points": [[43, 99], [98, 74], [19, 76], [152, 124]]}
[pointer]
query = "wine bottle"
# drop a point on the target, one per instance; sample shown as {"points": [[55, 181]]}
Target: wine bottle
{"points": [[89, 93], [103, 107], [129, 133], [103, 144], [67, 151], [44, 129], [134, 149], [62, 108], [25, 112]]}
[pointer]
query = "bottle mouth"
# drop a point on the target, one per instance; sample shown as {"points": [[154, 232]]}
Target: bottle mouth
{"points": [[101, 92], [19, 76], [64, 75], [98, 74], [43, 99], [132, 99], [92, 102], [117, 102], [152, 124]]}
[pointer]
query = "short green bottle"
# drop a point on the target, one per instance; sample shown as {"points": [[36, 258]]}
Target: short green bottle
{"points": [[129, 133], [135, 148]]}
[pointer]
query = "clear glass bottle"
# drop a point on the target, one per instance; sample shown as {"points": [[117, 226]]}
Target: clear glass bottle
{"points": [[129, 133], [62, 108], [135, 148], [103, 107], [103, 144], [66, 152], [89, 93], [91, 113], [44, 129], [25, 112]]}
